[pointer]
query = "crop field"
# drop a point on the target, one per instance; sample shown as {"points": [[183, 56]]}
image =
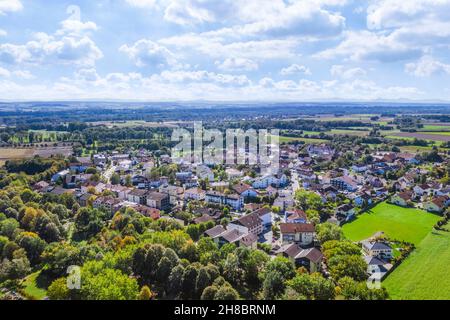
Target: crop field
{"points": [[23, 153], [305, 140], [432, 136], [424, 274], [407, 224], [136, 123]]}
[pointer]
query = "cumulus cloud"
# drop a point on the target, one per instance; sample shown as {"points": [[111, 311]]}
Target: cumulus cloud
{"points": [[142, 3], [3, 33], [393, 14], [4, 73], [237, 64], [149, 53], [366, 45], [295, 69], [76, 27], [426, 67], [10, 6], [343, 72], [258, 18], [45, 49]]}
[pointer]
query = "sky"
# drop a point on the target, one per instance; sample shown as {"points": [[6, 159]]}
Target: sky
{"points": [[225, 50]]}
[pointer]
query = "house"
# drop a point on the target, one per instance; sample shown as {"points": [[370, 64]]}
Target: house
{"points": [[295, 216], [359, 168], [344, 183], [377, 249], [232, 200], [284, 201], [78, 167], [216, 214], [158, 200], [310, 258], [437, 204], [363, 199], [184, 176], [402, 198], [194, 194], [203, 219], [299, 233], [83, 198], [40, 186], [270, 180], [345, 212], [99, 187], [320, 151], [251, 223], [100, 159], [107, 203], [376, 267], [265, 214], [233, 173], [422, 189], [119, 191], [205, 173], [60, 175], [222, 236], [137, 196], [175, 194], [244, 190]]}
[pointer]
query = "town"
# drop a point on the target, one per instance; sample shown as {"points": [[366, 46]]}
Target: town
{"points": [[306, 218]]}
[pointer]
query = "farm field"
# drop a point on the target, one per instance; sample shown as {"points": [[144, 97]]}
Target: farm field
{"points": [[433, 136], [22, 153], [407, 224], [136, 123], [424, 274], [305, 140]]}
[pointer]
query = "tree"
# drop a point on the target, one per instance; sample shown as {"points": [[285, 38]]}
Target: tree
{"points": [[273, 286], [329, 231], [188, 282], [58, 290], [115, 179], [59, 256], [313, 286], [227, 293], [100, 283], [32, 244], [209, 293], [145, 293]]}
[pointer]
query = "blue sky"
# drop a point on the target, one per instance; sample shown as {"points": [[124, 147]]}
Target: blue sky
{"points": [[246, 50]]}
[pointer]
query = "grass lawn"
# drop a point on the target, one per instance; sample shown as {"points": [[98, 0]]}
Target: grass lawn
{"points": [[424, 274], [32, 286], [411, 225]]}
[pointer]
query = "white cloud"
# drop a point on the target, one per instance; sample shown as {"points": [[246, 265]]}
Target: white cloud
{"points": [[426, 67], [10, 6], [237, 64], [142, 3], [3, 33], [24, 74], [259, 18], [347, 73], [203, 76], [49, 49], [76, 27], [148, 53], [366, 45], [295, 69], [4, 73], [392, 13]]}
